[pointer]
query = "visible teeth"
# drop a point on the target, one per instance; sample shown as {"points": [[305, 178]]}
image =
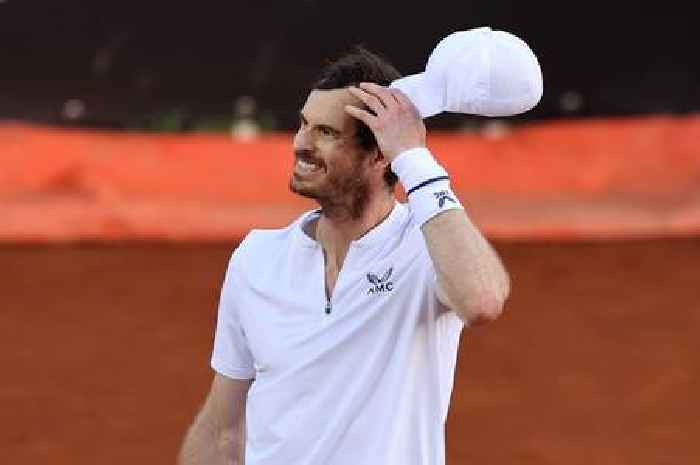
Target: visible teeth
{"points": [[305, 167]]}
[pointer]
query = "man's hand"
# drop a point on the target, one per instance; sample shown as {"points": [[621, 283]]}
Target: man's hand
{"points": [[396, 124]]}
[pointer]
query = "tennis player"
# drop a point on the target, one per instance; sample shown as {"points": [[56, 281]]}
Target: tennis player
{"points": [[337, 335]]}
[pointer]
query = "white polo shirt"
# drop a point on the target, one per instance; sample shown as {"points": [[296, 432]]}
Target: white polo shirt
{"points": [[364, 379]]}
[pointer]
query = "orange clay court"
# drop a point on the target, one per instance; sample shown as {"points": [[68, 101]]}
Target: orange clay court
{"points": [[113, 248]]}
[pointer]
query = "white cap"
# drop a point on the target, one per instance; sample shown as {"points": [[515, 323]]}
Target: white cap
{"points": [[478, 72]]}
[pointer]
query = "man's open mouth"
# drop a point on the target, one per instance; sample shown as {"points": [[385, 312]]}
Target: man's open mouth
{"points": [[306, 166]]}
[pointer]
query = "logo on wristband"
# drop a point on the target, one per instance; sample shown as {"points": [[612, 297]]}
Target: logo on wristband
{"points": [[442, 197]]}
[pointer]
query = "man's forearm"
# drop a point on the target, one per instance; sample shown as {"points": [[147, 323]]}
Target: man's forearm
{"points": [[208, 444], [470, 274]]}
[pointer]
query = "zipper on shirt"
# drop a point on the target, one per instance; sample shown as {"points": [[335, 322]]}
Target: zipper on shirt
{"points": [[329, 298]]}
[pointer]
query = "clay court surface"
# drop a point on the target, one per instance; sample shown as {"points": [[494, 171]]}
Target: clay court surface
{"points": [[105, 353]]}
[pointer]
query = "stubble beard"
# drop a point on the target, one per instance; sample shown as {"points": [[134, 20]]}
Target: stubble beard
{"points": [[341, 196]]}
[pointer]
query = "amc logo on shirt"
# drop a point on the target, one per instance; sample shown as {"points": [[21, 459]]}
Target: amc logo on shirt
{"points": [[380, 285]]}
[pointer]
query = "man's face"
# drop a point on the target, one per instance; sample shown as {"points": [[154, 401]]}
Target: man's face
{"points": [[329, 164]]}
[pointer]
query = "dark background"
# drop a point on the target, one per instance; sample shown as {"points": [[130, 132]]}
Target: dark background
{"points": [[126, 60]]}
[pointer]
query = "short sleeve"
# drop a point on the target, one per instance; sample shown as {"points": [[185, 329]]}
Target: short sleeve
{"points": [[231, 355]]}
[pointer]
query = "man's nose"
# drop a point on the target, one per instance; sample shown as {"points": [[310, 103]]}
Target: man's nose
{"points": [[302, 140]]}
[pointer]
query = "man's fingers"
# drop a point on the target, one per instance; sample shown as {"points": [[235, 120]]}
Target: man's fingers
{"points": [[401, 97], [368, 99], [364, 116], [390, 97], [382, 93], [404, 101]]}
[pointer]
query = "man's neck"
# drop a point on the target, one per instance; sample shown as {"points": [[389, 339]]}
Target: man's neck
{"points": [[336, 233]]}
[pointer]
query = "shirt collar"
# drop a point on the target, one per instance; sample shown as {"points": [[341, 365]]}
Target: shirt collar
{"points": [[390, 226]]}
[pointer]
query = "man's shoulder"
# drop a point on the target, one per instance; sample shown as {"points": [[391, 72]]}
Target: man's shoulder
{"points": [[263, 254], [263, 241], [260, 244]]}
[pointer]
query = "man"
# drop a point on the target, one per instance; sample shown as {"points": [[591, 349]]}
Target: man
{"points": [[337, 336]]}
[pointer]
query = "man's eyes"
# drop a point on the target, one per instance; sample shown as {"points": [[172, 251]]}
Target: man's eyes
{"points": [[322, 130], [326, 131]]}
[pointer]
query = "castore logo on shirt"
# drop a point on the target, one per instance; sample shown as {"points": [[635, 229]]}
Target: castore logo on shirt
{"points": [[380, 285]]}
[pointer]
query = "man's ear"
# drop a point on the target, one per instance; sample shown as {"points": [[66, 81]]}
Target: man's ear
{"points": [[379, 159]]}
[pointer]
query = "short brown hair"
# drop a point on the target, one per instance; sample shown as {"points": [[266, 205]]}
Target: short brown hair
{"points": [[356, 66]]}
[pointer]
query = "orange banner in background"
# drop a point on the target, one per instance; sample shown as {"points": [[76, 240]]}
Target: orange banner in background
{"points": [[635, 177]]}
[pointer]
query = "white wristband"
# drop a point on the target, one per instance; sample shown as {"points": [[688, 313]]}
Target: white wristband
{"points": [[426, 183]]}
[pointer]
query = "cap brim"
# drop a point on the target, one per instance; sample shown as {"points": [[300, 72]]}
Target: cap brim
{"points": [[429, 99]]}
